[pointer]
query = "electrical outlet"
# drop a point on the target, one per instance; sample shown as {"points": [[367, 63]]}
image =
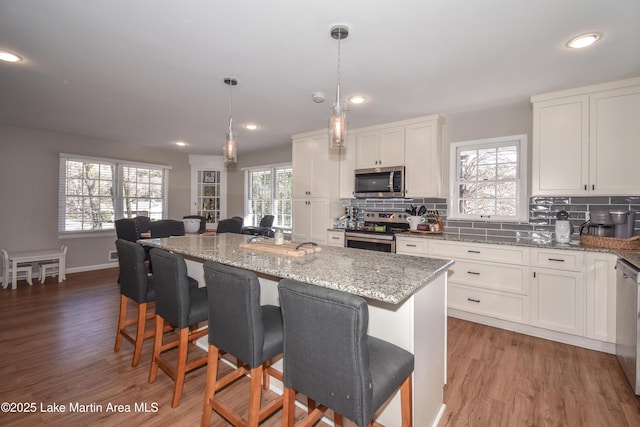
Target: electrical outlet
{"points": [[113, 255]]}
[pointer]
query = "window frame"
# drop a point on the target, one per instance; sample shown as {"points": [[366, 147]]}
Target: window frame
{"points": [[117, 190], [522, 212], [273, 168]]}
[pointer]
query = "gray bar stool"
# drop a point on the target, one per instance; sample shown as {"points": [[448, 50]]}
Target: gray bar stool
{"points": [[242, 328], [135, 285], [329, 357], [183, 307]]}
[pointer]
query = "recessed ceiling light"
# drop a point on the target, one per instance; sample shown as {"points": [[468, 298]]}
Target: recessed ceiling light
{"points": [[583, 41], [357, 99], [250, 126], [180, 143], [9, 57]]}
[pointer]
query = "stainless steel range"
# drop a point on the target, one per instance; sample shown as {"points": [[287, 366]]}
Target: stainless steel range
{"points": [[378, 231]]}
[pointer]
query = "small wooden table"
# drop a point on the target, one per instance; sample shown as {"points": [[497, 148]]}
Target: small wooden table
{"points": [[33, 256]]}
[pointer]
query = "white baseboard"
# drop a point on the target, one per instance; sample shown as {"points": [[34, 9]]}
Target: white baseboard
{"points": [[534, 331], [92, 267]]}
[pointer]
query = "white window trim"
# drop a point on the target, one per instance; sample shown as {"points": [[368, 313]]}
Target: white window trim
{"points": [[247, 170], [522, 197], [63, 157]]}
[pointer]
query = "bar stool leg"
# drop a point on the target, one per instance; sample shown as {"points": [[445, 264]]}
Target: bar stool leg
{"points": [[157, 344], [124, 301], [212, 375], [406, 402], [288, 408], [140, 332], [183, 348]]}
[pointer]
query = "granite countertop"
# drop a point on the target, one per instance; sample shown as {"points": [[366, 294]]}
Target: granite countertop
{"points": [[380, 276]]}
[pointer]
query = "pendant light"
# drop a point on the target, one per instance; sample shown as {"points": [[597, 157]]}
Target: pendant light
{"points": [[230, 143], [338, 120]]}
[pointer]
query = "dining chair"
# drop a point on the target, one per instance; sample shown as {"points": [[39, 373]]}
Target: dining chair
{"points": [[53, 268], [23, 271], [329, 357], [167, 228], [230, 225]]}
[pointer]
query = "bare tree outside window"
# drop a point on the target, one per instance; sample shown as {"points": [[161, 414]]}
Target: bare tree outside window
{"points": [[488, 178]]}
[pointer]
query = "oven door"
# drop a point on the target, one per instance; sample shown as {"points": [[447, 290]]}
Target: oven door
{"points": [[370, 242]]}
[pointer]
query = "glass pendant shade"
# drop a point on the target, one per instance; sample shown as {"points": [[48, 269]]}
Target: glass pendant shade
{"points": [[338, 119], [338, 125], [230, 147], [230, 142]]}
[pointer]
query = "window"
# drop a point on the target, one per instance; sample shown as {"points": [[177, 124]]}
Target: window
{"points": [[488, 179], [94, 192], [268, 192]]}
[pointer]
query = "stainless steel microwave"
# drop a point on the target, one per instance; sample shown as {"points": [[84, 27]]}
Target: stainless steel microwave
{"points": [[379, 182]]}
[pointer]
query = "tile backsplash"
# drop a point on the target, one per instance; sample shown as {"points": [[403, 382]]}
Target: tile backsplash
{"points": [[542, 215]]}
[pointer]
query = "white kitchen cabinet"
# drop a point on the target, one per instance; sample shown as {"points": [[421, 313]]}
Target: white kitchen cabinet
{"points": [[558, 290], [311, 166], [585, 140], [416, 246], [490, 280], [335, 238], [381, 147], [601, 296], [316, 174], [208, 188], [310, 220], [423, 158]]}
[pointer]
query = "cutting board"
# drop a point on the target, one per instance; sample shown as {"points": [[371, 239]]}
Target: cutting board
{"points": [[288, 249]]}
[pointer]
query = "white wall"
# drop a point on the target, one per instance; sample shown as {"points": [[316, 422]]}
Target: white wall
{"points": [[29, 190]]}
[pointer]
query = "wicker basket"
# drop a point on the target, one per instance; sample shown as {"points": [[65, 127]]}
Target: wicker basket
{"points": [[610, 242]]}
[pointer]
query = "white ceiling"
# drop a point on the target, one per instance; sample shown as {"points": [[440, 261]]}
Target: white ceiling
{"points": [[148, 72]]}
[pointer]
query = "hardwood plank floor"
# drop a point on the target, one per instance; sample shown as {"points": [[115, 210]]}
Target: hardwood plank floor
{"points": [[56, 346]]}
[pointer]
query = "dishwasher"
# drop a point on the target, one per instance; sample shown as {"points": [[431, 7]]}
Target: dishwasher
{"points": [[628, 322]]}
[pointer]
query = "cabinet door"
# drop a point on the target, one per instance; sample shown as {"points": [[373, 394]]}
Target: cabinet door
{"points": [[301, 220], [423, 171], [601, 297], [615, 141], [557, 300], [368, 150], [560, 162], [319, 212], [392, 146], [302, 167]]}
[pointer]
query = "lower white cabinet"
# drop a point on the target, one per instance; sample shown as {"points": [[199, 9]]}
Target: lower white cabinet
{"points": [[566, 295], [558, 300], [335, 238], [500, 305]]}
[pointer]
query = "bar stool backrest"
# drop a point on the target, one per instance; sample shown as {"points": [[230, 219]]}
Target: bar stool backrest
{"points": [[326, 352], [173, 300], [134, 279]]}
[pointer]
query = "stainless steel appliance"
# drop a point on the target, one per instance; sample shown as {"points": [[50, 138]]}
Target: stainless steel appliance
{"points": [[378, 231], [379, 182], [624, 222], [599, 224], [628, 322]]}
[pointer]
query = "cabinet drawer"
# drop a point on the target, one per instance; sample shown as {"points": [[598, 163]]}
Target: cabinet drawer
{"points": [[490, 276], [480, 252], [411, 246], [557, 259], [335, 238], [489, 303]]}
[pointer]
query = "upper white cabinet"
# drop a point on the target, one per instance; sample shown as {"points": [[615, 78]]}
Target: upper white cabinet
{"points": [[423, 158], [586, 140], [310, 159], [380, 148]]}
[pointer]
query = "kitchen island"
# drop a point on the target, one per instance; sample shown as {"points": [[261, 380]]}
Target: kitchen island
{"points": [[406, 297]]}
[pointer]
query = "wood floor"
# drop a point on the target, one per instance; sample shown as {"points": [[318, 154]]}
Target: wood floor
{"points": [[56, 347]]}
